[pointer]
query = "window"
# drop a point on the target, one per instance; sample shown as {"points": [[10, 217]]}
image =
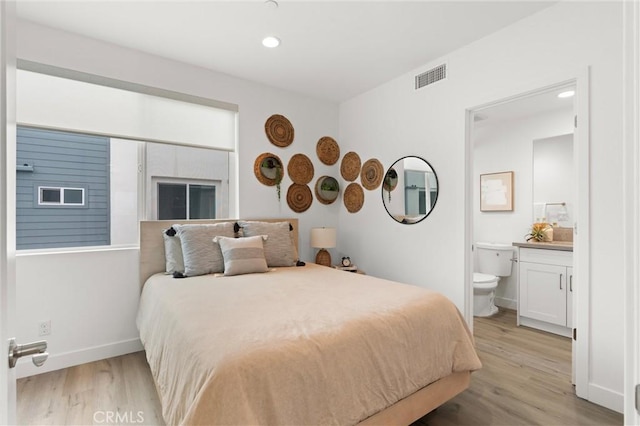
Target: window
{"points": [[86, 190], [52, 196], [82, 190], [186, 201]]}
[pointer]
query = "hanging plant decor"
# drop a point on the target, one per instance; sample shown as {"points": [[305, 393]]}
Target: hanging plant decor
{"points": [[269, 170]]}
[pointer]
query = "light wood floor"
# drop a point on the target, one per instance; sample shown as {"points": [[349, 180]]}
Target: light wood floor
{"points": [[525, 380]]}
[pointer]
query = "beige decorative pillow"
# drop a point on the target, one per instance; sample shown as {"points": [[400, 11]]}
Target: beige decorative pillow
{"points": [[201, 255], [243, 255], [279, 249]]}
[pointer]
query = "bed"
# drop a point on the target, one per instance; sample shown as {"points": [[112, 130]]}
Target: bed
{"points": [[296, 344]]}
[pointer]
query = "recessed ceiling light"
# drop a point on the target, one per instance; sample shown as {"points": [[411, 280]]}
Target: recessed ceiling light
{"points": [[567, 94], [271, 41]]}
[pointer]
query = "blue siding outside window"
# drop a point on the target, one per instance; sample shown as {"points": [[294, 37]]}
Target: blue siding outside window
{"points": [[72, 163]]}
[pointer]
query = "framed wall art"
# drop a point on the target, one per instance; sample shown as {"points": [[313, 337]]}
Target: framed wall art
{"points": [[496, 192]]}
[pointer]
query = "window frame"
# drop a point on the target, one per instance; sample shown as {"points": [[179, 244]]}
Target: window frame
{"points": [[157, 181], [62, 189]]}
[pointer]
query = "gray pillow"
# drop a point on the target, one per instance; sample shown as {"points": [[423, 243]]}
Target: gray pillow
{"points": [[172, 251], [243, 255], [279, 249], [201, 255]]}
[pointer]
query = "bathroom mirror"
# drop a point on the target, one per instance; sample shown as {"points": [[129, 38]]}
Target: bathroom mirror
{"points": [[410, 189], [553, 180]]}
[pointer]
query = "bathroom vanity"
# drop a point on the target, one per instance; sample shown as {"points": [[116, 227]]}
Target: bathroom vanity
{"points": [[546, 286]]}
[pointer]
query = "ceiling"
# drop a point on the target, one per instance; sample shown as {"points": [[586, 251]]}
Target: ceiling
{"points": [[330, 50]]}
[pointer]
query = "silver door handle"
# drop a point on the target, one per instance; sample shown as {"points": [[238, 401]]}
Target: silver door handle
{"points": [[560, 281], [37, 349]]}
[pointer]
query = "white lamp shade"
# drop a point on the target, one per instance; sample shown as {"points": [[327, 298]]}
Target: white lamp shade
{"points": [[323, 237]]}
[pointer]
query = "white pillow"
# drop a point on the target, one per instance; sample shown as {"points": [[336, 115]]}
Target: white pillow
{"points": [[201, 255], [172, 251], [243, 255]]}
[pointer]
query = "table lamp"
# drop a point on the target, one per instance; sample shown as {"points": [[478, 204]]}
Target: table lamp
{"points": [[323, 238]]}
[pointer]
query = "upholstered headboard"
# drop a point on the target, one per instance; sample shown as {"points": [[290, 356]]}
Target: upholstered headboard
{"points": [[152, 258]]}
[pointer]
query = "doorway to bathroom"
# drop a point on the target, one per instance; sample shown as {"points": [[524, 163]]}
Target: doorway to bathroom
{"points": [[535, 145]]}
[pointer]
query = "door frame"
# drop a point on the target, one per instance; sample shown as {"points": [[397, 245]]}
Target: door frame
{"points": [[581, 253], [631, 206], [7, 204]]}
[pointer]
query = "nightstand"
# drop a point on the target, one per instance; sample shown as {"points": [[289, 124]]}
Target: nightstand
{"points": [[353, 269]]}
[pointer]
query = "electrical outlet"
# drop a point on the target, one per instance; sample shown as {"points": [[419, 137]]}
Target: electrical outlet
{"points": [[44, 328]]}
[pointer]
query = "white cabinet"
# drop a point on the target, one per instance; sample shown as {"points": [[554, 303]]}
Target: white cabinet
{"points": [[545, 290]]}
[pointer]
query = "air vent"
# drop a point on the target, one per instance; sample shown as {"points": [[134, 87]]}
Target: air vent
{"points": [[428, 77]]}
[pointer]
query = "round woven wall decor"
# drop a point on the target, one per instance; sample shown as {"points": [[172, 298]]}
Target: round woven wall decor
{"points": [[350, 166], [353, 197], [327, 189], [266, 168], [299, 197], [300, 169], [371, 174], [390, 180], [279, 130], [328, 150]]}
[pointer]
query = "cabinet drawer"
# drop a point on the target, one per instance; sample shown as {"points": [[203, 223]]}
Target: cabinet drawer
{"points": [[549, 257]]}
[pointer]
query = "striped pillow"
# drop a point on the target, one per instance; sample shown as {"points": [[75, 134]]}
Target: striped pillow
{"points": [[279, 249], [200, 255], [243, 255]]}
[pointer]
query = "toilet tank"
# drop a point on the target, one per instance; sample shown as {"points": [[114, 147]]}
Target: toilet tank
{"points": [[494, 259]]}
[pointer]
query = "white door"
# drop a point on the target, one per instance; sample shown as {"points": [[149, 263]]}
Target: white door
{"points": [[7, 206]]}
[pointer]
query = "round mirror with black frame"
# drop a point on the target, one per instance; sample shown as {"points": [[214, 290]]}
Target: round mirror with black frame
{"points": [[410, 189]]}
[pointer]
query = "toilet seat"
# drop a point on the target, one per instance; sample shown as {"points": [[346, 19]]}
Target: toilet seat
{"points": [[484, 281]]}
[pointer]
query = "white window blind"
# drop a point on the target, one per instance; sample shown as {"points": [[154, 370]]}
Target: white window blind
{"points": [[59, 103]]}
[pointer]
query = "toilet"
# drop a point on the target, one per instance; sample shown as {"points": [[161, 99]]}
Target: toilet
{"points": [[493, 261]]}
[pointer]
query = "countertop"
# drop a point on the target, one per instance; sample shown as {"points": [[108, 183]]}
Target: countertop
{"points": [[547, 245]]}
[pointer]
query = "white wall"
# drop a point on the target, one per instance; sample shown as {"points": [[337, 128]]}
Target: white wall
{"points": [[394, 120], [92, 301], [508, 146]]}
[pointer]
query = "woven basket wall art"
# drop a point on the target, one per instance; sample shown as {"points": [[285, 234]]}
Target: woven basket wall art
{"points": [[299, 197], [371, 174], [266, 168], [390, 180], [328, 150], [300, 169], [350, 166], [327, 189], [279, 130], [353, 197]]}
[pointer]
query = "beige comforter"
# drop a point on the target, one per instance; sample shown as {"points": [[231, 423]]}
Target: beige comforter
{"points": [[299, 345]]}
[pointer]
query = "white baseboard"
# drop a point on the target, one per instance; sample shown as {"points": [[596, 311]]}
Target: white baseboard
{"points": [[25, 367], [506, 303], [606, 397]]}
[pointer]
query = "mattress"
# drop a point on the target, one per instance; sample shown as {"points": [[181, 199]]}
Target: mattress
{"points": [[295, 345]]}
